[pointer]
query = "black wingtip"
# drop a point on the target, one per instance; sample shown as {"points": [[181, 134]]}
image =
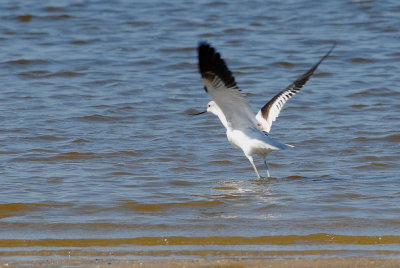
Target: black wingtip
{"points": [[296, 86], [203, 44], [211, 62], [304, 78], [328, 53], [206, 55], [331, 49]]}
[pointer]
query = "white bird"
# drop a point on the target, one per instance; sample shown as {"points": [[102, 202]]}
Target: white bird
{"points": [[244, 130]]}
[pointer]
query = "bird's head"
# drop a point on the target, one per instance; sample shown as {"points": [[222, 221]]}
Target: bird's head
{"points": [[212, 107]]}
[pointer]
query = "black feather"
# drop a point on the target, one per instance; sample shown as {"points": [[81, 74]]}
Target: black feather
{"points": [[211, 63], [296, 86]]}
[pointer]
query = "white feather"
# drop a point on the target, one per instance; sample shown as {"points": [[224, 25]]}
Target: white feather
{"points": [[231, 101]]}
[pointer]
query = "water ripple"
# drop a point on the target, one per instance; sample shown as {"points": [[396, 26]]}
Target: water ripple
{"points": [[98, 142]]}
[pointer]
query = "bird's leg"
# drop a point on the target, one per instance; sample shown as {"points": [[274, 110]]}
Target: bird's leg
{"points": [[252, 163], [266, 166]]}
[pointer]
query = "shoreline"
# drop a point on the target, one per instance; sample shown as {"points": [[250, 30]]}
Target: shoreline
{"points": [[292, 262]]}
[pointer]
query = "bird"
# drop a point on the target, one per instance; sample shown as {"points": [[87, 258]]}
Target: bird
{"points": [[244, 130]]}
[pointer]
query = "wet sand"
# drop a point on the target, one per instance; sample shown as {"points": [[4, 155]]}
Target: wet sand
{"points": [[297, 262]]}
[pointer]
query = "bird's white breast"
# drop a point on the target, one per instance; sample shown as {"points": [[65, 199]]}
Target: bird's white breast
{"points": [[251, 141]]}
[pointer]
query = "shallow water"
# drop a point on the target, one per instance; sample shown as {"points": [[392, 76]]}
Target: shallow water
{"points": [[98, 151]]}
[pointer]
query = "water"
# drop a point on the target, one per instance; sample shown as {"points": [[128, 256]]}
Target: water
{"points": [[100, 157]]}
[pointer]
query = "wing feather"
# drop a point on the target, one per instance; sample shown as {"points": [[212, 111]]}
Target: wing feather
{"points": [[270, 111], [221, 86]]}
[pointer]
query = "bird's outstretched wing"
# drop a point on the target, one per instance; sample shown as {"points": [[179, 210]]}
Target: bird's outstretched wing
{"points": [[270, 111], [220, 84]]}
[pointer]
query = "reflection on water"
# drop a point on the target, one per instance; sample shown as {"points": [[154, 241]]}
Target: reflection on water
{"points": [[98, 152]]}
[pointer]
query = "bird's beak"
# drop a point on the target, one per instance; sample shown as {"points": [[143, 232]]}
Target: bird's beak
{"points": [[200, 113]]}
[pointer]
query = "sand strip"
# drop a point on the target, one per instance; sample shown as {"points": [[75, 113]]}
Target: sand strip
{"points": [[225, 263]]}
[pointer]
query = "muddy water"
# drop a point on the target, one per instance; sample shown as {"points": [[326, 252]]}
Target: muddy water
{"points": [[99, 156]]}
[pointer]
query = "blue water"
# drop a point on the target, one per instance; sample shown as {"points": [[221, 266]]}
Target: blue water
{"points": [[96, 139]]}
